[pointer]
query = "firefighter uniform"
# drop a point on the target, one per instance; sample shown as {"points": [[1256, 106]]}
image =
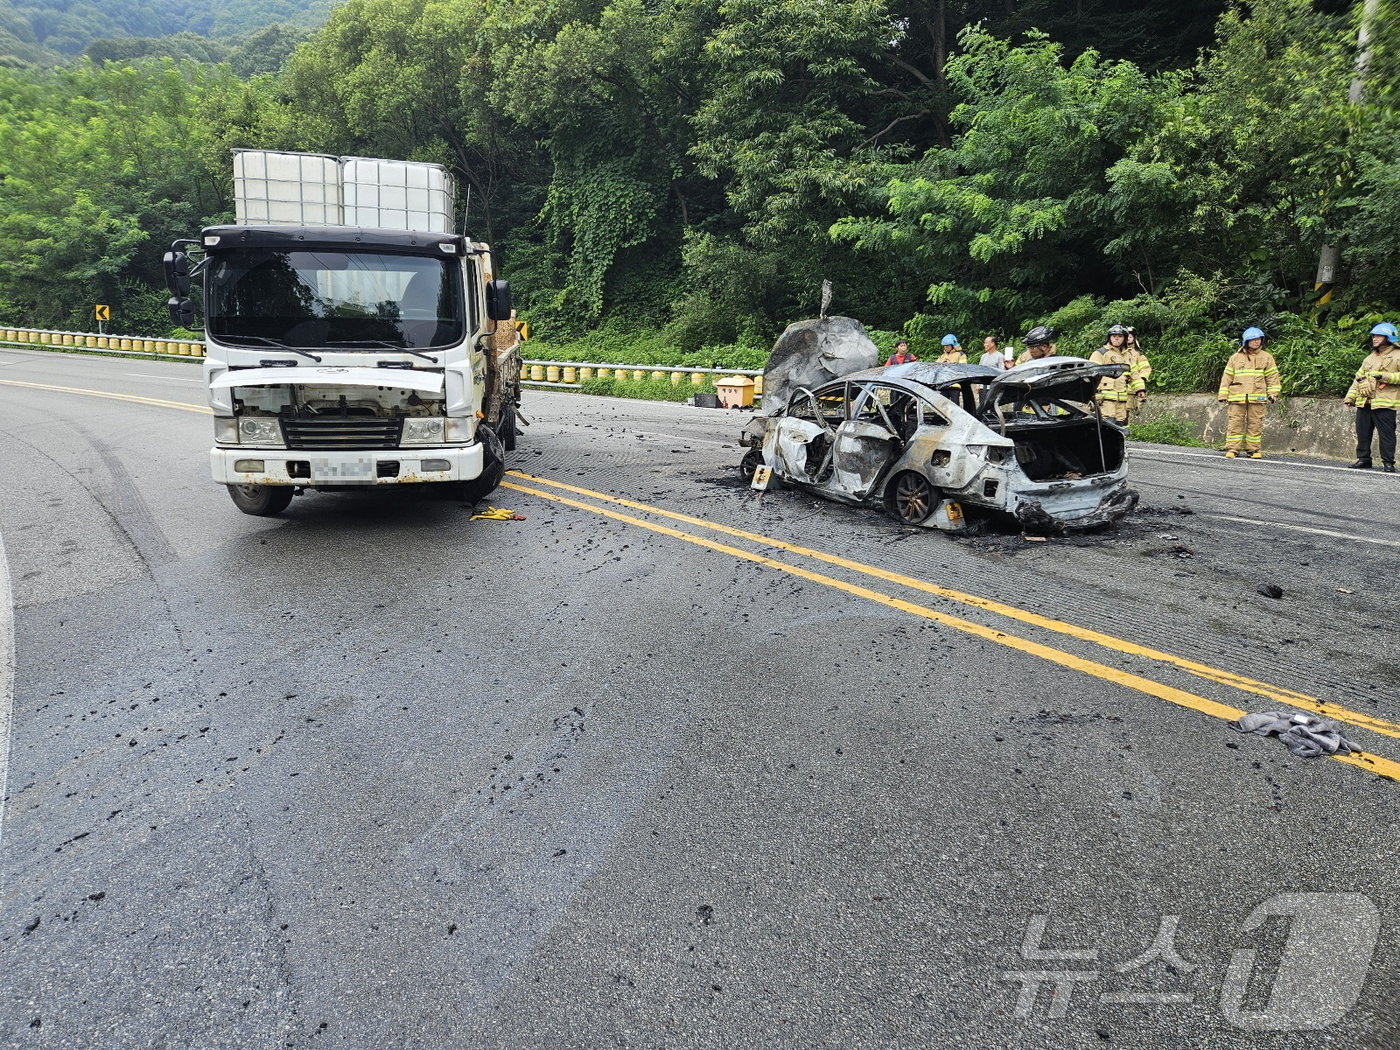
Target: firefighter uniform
{"points": [[1375, 399], [1115, 393], [951, 356], [1250, 379], [1142, 371]]}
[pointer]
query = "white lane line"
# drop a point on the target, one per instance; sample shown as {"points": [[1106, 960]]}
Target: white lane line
{"points": [[1304, 528], [1146, 454], [7, 683], [173, 379]]}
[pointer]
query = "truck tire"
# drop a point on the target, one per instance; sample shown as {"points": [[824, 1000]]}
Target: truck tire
{"points": [[493, 467], [262, 501], [508, 428]]}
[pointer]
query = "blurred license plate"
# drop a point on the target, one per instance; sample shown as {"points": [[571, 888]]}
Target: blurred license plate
{"points": [[342, 469]]}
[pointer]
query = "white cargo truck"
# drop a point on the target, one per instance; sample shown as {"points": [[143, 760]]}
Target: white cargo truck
{"points": [[352, 339]]}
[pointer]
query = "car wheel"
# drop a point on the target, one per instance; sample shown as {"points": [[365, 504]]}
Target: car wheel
{"points": [[911, 498], [748, 466], [262, 501]]}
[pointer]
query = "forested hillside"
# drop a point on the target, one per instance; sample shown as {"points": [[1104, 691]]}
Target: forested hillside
{"points": [[39, 30], [674, 174]]}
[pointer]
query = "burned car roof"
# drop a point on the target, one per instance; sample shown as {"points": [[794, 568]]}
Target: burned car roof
{"points": [[927, 373]]}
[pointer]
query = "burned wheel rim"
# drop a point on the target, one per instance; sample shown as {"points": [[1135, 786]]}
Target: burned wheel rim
{"points": [[753, 459], [913, 498]]}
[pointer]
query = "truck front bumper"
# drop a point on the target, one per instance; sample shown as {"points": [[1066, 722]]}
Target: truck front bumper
{"points": [[336, 469]]}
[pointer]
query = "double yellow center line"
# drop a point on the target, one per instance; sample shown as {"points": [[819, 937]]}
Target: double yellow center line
{"points": [[1204, 705]]}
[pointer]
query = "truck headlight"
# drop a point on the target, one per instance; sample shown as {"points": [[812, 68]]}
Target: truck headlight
{"points": [[423, 431], [260, 430]]}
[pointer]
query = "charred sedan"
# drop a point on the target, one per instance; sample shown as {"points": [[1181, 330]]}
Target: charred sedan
{"points": [[926, 441]]}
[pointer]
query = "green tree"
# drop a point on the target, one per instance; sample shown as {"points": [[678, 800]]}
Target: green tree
{"points": [[1245, 172], [783, 128], [1010, 219], [607, 89], [100, 168], [409, 79]]}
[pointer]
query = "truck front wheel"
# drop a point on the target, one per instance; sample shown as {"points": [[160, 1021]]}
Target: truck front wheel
{"points": [[493, 467], [262, 501]]}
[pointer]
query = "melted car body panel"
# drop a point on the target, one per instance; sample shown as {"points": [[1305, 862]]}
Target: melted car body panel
{"points": [[1028, 446]]}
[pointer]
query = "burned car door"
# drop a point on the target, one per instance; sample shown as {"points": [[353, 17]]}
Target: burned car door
{"points": [[880, 421], [799, 445]]}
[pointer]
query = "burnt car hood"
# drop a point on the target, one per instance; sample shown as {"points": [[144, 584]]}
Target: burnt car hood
{"points": [[1064, 378]]}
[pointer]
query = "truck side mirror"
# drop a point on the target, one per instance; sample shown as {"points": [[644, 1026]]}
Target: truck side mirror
{"points": [[498, 305], [177, 273], [181, 309]]}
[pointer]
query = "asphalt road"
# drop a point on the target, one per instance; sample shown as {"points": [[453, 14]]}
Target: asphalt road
{"points": [[670, 763]]}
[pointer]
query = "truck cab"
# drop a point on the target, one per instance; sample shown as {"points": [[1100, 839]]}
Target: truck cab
{"points": [[351, 357]]}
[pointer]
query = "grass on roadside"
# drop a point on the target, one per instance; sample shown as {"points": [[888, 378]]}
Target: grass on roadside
{"points": [[1168, 429], [645, 389]]}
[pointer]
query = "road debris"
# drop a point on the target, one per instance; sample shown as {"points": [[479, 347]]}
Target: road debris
{"points": [[1306, 736], [497, 514], [1270, 590]]}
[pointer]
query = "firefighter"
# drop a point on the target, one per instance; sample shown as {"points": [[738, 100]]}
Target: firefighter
{"points": [[1375, 394], [952, 352], [1142, 370], [1040, 342], [1116, 392], [902, 354], [1249, 385]]}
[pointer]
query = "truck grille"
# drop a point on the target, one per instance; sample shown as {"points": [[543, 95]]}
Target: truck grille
{"points": [[334, 432]]}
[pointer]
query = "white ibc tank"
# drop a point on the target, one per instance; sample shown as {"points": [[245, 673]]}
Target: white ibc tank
{"points": [[286, 189], [396, 195]]}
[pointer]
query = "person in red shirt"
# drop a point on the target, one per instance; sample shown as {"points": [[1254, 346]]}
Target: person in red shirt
{"points": [[902, 354]]}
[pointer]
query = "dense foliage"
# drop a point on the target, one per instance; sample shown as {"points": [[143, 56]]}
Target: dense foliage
{"points": [[671, 180], [32, 30]]}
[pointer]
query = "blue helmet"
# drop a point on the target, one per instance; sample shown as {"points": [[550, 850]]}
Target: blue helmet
{"points": [[1251, 333], [952, 340], [1387, 329]]}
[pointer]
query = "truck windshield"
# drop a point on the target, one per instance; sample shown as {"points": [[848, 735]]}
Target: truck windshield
{"points": [[357, 300]]}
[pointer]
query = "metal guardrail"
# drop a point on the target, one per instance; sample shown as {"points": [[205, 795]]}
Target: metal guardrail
{"points": [[570, 375], [131, 345], [564, 375]]}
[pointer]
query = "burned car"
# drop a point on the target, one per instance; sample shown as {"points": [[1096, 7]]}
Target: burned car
{"points": [[929, 442]]}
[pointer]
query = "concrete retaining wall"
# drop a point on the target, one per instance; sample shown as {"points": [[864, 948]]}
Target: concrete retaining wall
{"points": [[1308, 425]]}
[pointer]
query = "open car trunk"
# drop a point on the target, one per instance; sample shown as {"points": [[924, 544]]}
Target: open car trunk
{"points": [[1047, 408], [1079, 447]]}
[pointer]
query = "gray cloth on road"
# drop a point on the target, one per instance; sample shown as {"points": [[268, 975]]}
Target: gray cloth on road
{"points": [[1311, 737]]}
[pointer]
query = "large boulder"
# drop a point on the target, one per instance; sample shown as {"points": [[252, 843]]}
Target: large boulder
{"points": [[809, 353]]}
